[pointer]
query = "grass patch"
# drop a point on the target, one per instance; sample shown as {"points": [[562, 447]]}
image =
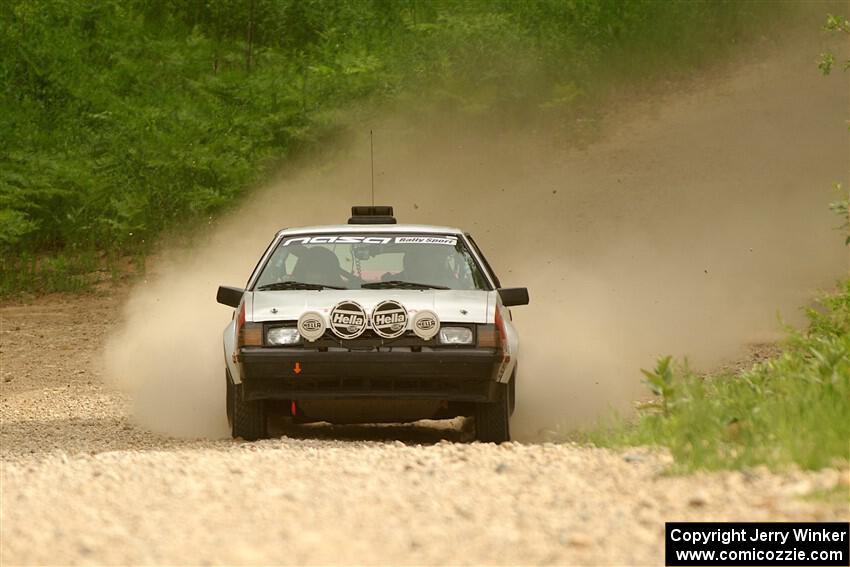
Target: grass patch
{"points": [[791, 410], [31, 275]]}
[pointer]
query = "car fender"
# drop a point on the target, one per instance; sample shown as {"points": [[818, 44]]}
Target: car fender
{"points": [[229, 337], [230, 350], [510, 345], [512, 337]]}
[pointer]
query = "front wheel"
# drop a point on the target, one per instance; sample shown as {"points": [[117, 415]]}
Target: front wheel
{"points": [[512, 393], [248, 417], [492, 419], [229, 398]]}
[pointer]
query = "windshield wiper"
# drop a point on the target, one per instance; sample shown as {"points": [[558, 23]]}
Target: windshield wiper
{"points": [[295, 285], [401, 285]]}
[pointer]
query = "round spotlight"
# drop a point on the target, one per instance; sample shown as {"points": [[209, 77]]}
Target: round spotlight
{"points": [[426, 325], [389, 319], [311, 325], [348, 320]]}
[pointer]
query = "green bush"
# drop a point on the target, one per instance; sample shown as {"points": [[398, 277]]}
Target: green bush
{"points": [[792, 409], [122, 119]]}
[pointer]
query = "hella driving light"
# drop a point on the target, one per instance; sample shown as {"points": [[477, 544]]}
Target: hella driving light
{"points": [[311, 325], [426, 325], [282, 336], [456, 336]]}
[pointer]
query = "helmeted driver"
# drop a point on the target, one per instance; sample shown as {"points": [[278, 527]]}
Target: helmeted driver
{"points": [[318, 266], [426, 264]]}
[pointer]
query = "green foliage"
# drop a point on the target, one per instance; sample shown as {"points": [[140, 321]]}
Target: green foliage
{"points": [[837, 24], [660, 381], [14, 225], [842, 209], [58, 272], [793, 409], [834, 24], [122, 119]]}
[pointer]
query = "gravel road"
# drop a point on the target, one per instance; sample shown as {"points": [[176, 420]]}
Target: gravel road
{"points": [[81, 484]]}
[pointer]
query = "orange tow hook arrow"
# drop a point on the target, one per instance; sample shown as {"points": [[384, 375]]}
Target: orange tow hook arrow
{"points": [[297, 368]]}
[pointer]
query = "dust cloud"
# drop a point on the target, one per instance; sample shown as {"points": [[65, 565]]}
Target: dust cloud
{"points": [[693, 221]]}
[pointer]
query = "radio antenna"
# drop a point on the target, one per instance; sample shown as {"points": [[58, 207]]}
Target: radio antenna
{"points": [[372, 159]]}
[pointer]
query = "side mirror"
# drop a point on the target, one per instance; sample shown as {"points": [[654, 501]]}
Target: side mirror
{"points": [[229, 295], [512, 296]]}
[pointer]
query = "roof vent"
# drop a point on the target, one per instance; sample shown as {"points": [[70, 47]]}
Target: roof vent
{"points": [[374, 214]]}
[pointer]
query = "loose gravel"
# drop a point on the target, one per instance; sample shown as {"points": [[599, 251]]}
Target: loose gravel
{"points": [[81, 484]]}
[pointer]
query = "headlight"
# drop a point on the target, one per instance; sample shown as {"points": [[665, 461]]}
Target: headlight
{"points": [[282, 336], [456, 336]]}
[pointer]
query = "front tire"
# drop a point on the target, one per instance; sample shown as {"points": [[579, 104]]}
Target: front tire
{"points": [[248, 419], [229, 397], [512, 393], [492, 419]]}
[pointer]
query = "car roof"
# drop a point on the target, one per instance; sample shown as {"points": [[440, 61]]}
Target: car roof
{"points": [[359, 228]]}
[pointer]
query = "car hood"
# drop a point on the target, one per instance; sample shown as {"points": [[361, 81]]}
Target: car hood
{"points": [[449, 305]]}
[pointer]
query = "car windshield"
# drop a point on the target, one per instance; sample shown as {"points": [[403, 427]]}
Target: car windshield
{"points": [[371, 261]]}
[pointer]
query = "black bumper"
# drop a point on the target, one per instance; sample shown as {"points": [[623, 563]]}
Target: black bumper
{"points": [[459, 375]]}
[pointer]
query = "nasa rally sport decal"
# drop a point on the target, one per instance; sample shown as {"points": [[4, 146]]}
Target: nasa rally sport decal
{"points": [[357, 239], [311, 325], [426, 324], [348, 320], [389, 319]]}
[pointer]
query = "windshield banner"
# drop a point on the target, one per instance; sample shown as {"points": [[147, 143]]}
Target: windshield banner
{"points": [[341, 239]]}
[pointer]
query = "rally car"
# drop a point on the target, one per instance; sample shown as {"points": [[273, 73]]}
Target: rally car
{"points": [[370, 322]]}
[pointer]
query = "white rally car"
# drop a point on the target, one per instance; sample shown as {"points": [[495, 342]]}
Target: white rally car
{"points": [[371, 321]]}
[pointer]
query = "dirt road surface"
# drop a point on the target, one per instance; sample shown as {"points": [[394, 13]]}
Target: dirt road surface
{"points": [[81, 484]]}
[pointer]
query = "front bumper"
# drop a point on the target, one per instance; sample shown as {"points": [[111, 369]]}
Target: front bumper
{"points": [[457, 375]]}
